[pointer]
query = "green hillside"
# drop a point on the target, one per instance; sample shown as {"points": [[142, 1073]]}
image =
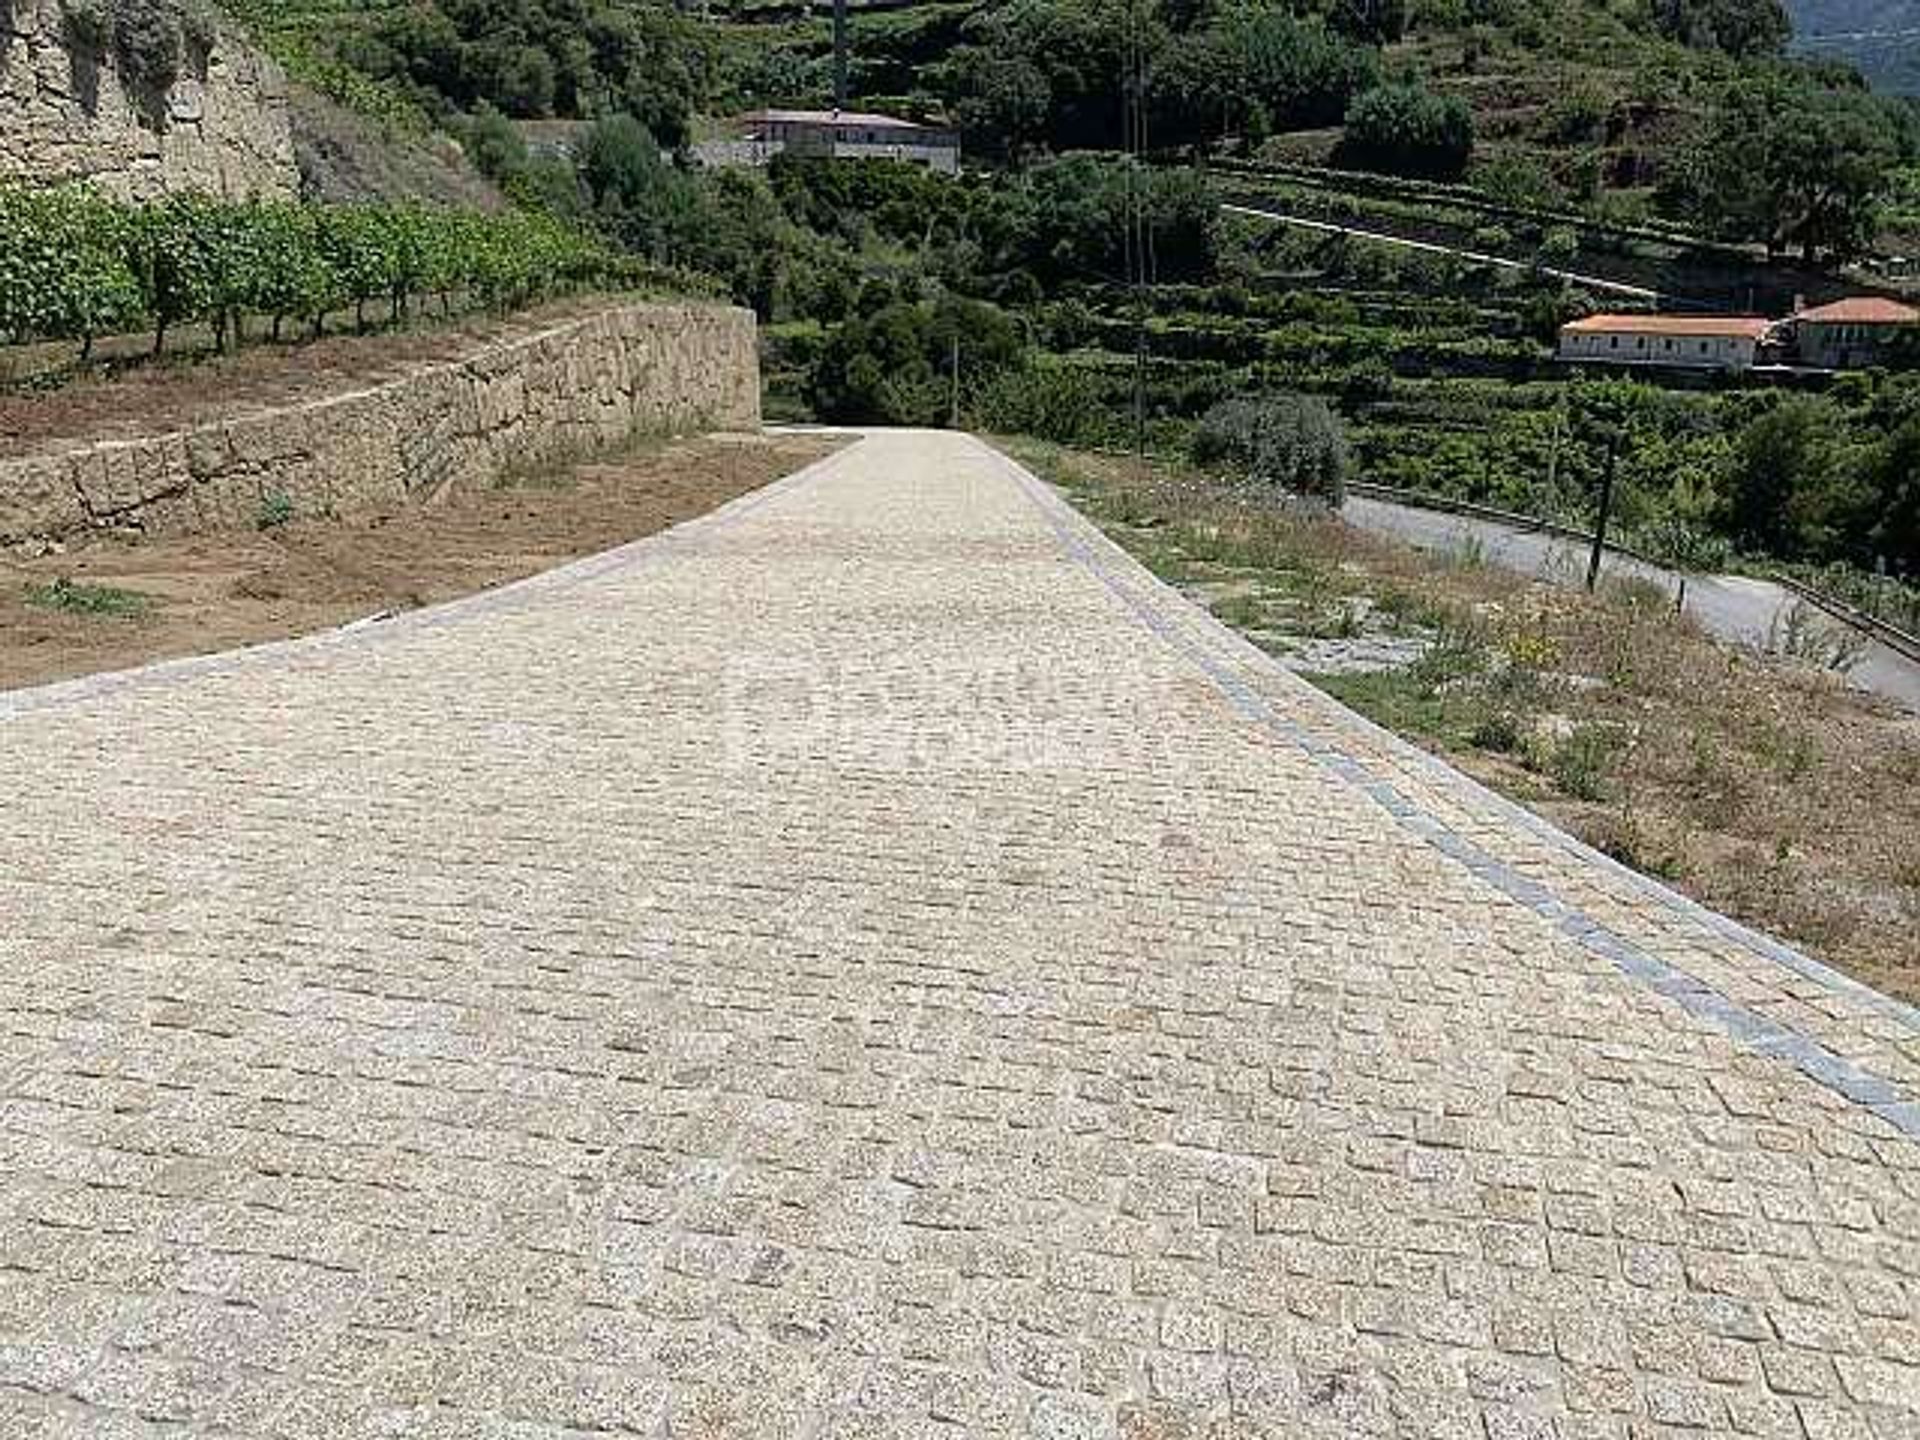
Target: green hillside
{"points": [[1669, 145], [1881, 37]]}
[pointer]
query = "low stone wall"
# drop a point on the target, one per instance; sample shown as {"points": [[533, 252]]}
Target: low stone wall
{"points": [[65, 114], [520, 402]]}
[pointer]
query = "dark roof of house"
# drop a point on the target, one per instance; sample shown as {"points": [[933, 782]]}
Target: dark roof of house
{"points": [[840, 117]]}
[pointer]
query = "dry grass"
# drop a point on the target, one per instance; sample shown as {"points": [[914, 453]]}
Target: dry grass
{"points": [[1760, 787]]}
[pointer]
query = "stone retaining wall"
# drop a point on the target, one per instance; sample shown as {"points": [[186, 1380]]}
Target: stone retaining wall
{"points": [[515, 403], [220, 126]]}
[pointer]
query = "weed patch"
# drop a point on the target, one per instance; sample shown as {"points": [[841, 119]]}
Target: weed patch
{"points": [[75, 597], [276, 509]]}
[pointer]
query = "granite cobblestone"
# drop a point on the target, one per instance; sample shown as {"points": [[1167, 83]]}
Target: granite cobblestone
{"points": [[873, 963]]}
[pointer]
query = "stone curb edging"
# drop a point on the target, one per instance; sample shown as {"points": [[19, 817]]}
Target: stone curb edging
{"points": [[1107, 562]]}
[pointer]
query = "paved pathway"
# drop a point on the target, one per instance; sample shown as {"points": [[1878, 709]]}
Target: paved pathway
{"points": [[873, 963]]}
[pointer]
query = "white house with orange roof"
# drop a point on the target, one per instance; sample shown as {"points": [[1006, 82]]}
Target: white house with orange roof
{"points": [[1682, 342]]}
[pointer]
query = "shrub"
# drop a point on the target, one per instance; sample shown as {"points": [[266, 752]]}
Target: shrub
{"points": [[1291, 442], [1405, 129], [146, 39], [1061, 403]]}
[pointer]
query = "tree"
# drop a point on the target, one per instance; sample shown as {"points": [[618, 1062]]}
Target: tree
{"points": [[1257, 69], [1791, 164], [1404, 129], [1794, 484], [891, 365], [1071, 222], [635, 190], [1895, 470], [574, 58], [1052, 70], [1003, 103], [1747, 29]]}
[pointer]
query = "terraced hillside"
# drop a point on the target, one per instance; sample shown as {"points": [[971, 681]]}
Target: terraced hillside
{"points": [[1882, 37]]}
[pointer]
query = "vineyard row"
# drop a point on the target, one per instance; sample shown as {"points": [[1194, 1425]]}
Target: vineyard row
{"points": [[75, 264]]}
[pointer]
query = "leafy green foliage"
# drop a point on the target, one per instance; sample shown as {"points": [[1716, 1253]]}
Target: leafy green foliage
{"points": [[894, 364], [65, 265], [1292, 442], [1052, 73], [78, 597], [276, 510], [1787, 161], [1051, 400], [74, 264], [1403, 129], [572, 58], [1739, 27], [149, 41], [1257, 70]]}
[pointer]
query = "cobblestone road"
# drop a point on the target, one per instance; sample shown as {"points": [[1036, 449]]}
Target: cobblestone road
{"points": [[873, 963]]}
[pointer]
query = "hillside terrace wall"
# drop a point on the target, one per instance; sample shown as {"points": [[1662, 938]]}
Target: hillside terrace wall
{"points": [[525, 401], [222, 125]]}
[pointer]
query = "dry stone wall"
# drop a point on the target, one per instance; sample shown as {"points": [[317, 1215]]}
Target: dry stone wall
{"points": [[517, 403], [67, 114]]}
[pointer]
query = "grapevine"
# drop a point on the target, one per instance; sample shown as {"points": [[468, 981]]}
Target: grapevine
{"points": [[75, 264]]}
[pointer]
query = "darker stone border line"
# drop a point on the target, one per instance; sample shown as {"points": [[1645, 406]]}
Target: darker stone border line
{"points": [[1094, 552]]}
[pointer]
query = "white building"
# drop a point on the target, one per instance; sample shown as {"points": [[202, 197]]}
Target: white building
{"points": [[1682, 342], [756, 137], [1853, 334]]}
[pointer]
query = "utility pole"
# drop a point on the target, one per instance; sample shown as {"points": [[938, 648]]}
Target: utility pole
{"points": [[1139, 226], [1606, 510], [953, 409], [839, 55]]}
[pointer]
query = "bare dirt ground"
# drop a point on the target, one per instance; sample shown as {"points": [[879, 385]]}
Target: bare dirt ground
{"points": [[191, 388], [214, 592], [1758, 785]]}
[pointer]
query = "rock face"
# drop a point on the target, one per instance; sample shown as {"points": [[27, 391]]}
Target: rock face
{"points": [[529, 401], [68, 113]]}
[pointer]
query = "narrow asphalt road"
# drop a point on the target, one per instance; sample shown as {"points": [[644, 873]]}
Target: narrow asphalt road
{"points": [[874, 962], [1737, 608]]}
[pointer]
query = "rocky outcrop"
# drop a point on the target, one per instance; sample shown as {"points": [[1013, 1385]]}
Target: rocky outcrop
{"points": [[532, 400], [68, 112]]}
